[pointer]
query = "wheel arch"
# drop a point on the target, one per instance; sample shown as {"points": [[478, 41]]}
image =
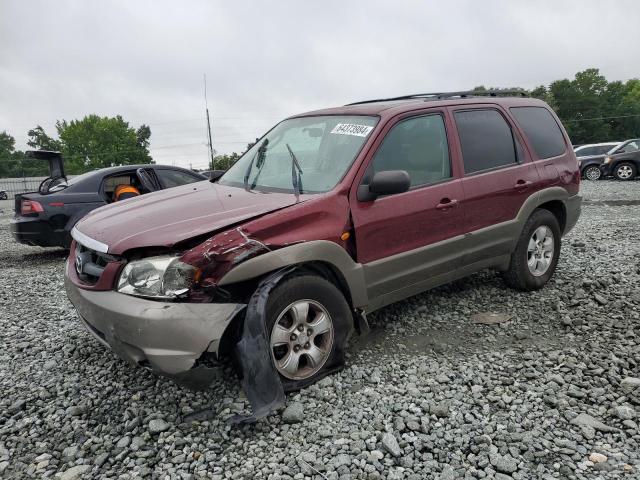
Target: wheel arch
{"points": [[558, 209], [322, 257], [553, 199]]}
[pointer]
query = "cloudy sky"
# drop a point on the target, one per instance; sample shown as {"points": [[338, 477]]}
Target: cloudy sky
{"points": [[264, 60]]}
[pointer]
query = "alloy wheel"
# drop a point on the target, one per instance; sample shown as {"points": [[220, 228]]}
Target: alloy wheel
{"points": [[301, 339], [624, 172], [592, 173], [540, 251]]}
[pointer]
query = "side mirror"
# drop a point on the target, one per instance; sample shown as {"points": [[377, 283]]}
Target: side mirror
{"points": [[386, 182], [215, 175]]}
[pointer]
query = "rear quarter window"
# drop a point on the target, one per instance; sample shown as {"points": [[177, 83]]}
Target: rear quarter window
{"points": [[542, 130]]}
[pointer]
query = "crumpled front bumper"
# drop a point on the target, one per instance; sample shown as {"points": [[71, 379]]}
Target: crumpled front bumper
{"points": [[168, 337]]}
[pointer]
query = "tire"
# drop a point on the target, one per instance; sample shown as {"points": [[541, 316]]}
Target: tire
{"points": [[288, 344], [592, 172], [3, 196], [520, 274], [625, 171]]}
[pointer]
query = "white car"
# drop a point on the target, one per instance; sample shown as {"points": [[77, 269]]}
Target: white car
{"points": [[593, 149]]}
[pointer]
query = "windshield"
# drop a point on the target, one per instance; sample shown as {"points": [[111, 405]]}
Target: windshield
{"points": [[324, 148], [629, 146]]}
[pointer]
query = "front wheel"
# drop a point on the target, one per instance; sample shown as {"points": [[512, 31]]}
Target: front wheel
{"points": [[3, 195], [592, 172], [309, 323], [534, 260], [625, 171]]}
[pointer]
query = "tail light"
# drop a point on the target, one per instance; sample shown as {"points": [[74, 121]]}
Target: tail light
{"points": [[30, 206]]}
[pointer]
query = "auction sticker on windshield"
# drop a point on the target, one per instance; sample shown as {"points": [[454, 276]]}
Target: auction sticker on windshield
{"points": [[352, 129]]}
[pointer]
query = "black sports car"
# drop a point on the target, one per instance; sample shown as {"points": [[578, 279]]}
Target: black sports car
{"points": [[45, 218]]}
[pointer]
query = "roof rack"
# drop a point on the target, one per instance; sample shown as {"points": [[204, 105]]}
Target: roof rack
{"points": [[446, 95]]}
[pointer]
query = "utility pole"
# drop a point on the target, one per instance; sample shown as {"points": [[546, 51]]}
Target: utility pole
{"points": [[206, 105]]}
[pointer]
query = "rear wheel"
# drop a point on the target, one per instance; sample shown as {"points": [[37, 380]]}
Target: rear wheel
{"points": [[592, 172], [625, 171], [309, 323], [534, 260]]}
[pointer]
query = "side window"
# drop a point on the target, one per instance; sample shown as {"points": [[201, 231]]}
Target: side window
{"points": [[486, 138], [584, 152], [419, 146], [174, 178], [542, 130]]}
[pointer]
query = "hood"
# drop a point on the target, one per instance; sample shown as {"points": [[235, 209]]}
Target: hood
{"points": [[167, 217]]}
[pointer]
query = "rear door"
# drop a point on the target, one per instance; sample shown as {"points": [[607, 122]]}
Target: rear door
{"points": [[405, 240], [498, 177]]}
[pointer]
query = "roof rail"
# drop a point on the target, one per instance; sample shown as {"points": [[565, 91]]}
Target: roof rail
{"points": [[446, 95]]}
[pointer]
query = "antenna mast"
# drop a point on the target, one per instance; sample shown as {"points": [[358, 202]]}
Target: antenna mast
{"points": [[206, 105]]}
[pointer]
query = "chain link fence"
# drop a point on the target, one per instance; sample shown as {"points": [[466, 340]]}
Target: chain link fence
{"points": [[15, 186]]}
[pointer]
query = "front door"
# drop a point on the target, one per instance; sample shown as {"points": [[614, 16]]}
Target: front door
{"points": [[407, 239]]}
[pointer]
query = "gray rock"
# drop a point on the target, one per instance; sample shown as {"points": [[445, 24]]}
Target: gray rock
{"points": [[74, 411], [624, 412], [630, 384], [101, 459], [390, 444], [123, 442], [69, 453], [587, 420], [50, 364], [136, 443], [440, 410], [74, 473], [503, 463], [340, 460], [158, 425], [447, 474], [294, 413]]}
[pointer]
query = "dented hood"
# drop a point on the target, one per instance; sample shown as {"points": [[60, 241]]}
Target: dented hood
{"points": [[170, 216]]}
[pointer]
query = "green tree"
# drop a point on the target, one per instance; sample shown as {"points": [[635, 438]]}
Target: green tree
{"points": [[39, 140], [13, 162], [98, 142], [224, 162]]}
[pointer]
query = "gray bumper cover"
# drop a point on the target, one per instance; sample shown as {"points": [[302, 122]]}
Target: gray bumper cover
{"points": [[169, 336]]}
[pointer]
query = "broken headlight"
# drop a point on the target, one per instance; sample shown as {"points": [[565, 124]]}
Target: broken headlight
{"points": [[158, 277]]}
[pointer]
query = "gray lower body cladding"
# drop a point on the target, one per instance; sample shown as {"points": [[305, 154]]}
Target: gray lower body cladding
{"points": [[168, 337]]}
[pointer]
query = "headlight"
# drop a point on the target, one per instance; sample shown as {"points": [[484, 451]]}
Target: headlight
{"points": [[607, 160], [158, 277]]}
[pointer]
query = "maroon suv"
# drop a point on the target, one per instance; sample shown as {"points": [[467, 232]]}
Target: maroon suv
{"points": [[329, 216]]}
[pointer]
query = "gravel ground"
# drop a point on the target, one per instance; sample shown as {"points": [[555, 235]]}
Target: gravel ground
{"points": [[552, 393]]}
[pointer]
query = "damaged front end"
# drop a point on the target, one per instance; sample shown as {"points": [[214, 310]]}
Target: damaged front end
{"points": [[178, 340]]}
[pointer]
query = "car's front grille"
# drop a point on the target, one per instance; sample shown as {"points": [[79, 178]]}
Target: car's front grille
{"points": [[89, 264]]}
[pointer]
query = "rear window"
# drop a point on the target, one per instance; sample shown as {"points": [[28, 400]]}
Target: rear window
{"points": [[487, 140], [542, 130]]}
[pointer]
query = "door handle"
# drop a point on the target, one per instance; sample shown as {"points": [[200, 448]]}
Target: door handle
{"points": [[446, 204], [522, 184]]}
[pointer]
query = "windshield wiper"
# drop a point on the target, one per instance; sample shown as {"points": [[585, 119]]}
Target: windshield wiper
{"points": [[260, 154], [295, 179]]}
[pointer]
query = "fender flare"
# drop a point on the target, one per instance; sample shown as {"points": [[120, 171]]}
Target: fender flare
{"points": [[313, 251]]}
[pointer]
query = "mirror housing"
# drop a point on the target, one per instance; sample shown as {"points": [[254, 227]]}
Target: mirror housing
{"points": [[214, 175], [386, 182]]}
